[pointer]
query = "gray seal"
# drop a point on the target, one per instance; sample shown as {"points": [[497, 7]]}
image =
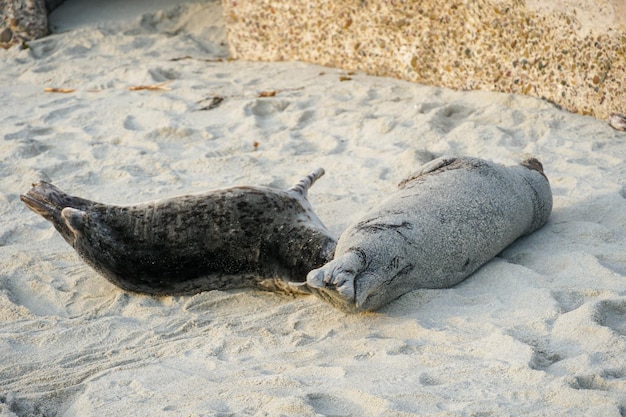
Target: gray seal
{"points": [[230, 238], [442, 224]]}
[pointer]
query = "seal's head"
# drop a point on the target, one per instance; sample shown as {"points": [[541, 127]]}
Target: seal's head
{"points": [[366, 292], [348, 284]]}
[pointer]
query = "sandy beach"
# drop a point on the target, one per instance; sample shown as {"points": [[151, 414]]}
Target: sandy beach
{"points": [[538, 331]]}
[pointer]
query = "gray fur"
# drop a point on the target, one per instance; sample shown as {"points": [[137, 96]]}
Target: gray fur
{"points": [[237, 237], [442, 224]]}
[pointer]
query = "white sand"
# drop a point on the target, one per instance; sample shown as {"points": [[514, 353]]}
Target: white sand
{"points": [[540, 330]]}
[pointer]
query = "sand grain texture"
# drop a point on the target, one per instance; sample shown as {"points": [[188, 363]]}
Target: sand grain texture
{"points": [[537, 331]]}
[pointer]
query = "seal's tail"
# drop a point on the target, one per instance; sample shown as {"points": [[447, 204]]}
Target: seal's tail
{"points": [[45, 199], [59, 208], [533, 163], [305, 183]]}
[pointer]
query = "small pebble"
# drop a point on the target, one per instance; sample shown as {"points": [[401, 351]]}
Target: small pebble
{"points": [[617, 121]]}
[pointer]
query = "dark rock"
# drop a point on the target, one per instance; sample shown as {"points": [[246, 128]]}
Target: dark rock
{"points": [[53, 4], [22, 21]]}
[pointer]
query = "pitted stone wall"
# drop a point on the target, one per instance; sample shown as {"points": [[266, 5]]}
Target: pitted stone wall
{"points": [[21, 21], [574, 56]]}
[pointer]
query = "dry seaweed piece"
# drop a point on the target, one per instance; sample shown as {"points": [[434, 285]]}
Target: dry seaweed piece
{"points": [[58, 90], [160, 86], [182, 58], [270, 93], [215, 102]]}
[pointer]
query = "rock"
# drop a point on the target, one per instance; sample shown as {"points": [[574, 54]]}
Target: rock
{"points": [[571, 52], [52, 4], [6, 35], [22, 21]]}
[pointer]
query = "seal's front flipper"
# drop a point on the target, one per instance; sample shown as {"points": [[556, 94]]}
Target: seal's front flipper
{"points": [[74, 219]]}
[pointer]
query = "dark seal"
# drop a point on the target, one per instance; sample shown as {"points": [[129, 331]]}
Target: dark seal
{"points": [[442, 224], [231, 238]]}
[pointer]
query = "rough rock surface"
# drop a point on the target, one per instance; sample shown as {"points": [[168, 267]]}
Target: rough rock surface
{"points": [[570, 52], [22, 20]]}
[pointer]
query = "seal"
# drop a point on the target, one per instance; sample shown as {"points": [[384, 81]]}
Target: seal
{"points": [[442, 224], [223, 239]]}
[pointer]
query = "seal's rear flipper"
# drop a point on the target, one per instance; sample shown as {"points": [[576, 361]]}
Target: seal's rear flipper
{"points": [[64, 211], [305, 183], [45, 197], [41, 207], [533, 163], [428, 168]]}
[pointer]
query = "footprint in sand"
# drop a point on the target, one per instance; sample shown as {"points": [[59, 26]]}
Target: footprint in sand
{"points": [[447, 118], [610, 381], [164, 74], [29, 148], [429, 380], [305, 119], [326, 404], [62, 114], [266, 107], [543, 355], [130, 123], [612, 314], [351, 403]]}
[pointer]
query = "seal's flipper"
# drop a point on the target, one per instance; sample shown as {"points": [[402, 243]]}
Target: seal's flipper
{"points": [[305, 183], [74, 219], [48, 196], [435, 165], [41, 207], [428, 168], [64, 211], [533, 163]]}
